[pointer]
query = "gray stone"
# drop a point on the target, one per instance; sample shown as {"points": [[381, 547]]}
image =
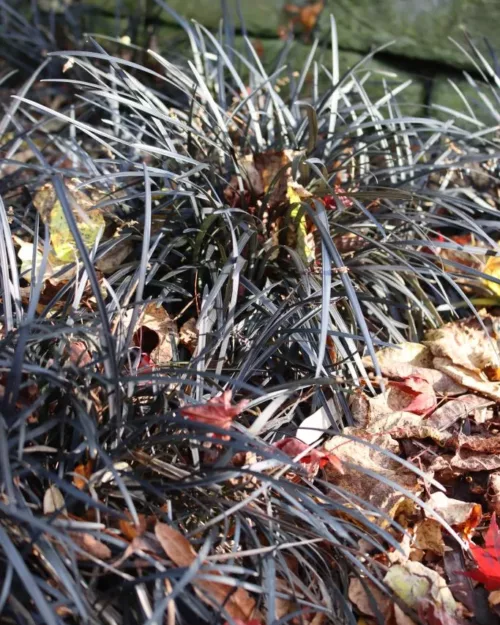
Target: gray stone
{"points": [[444, 95]]}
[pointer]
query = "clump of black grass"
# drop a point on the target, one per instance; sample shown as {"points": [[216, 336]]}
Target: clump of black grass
{"points": [[95, 443]]}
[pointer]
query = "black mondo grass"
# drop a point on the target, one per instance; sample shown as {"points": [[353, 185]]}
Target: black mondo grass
{"points": [[91, 435]]}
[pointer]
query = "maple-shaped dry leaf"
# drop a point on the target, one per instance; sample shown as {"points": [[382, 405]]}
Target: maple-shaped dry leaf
{"points": [[374, 490], [237, 602], [464, 344], [487, 558], [218, 411], [313, 459]]}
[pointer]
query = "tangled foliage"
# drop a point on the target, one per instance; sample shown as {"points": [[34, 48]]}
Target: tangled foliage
{"points": [[172, 233]]}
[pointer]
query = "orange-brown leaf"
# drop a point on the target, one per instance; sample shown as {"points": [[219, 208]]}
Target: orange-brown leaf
{"points": [[237, 602], [85, 470]]}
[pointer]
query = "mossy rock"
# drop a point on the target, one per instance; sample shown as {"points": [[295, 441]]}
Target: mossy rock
{"points": [[446, 96], [420, 28]]}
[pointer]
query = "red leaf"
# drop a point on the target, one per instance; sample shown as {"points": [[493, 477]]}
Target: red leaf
{"points": [[421, 391], [146, 364], [314, 459], [329, 200], [217, 411], [487, 558]]}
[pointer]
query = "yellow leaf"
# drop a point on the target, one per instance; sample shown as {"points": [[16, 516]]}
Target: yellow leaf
{"points": [[61, 237], [492, 268], [89, 220], [305, 242]]}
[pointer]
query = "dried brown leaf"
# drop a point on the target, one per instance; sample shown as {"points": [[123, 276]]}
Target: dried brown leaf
{"points": [[493, 492], [461, 515], [156, 334], [456, 409], [130, 530], [429, 536], [91, 545], [364, 602], [188, 335], [176, 545], [463, 344], [112, 260], [85, 471], [373, 490], [471, 379], [236, 601], [414, 354]]}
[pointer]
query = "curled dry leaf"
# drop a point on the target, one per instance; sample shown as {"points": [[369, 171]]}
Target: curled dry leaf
{"points": [[156, 334], [188, 335], [478, 444], [78, 354], [414, 354], [130, 530], [462, 516], [414, 359], [314, 426], [273, 169], [470, 461], [471, 379], [313, 459], [53, 501], [237, 603], [113, 259]]}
